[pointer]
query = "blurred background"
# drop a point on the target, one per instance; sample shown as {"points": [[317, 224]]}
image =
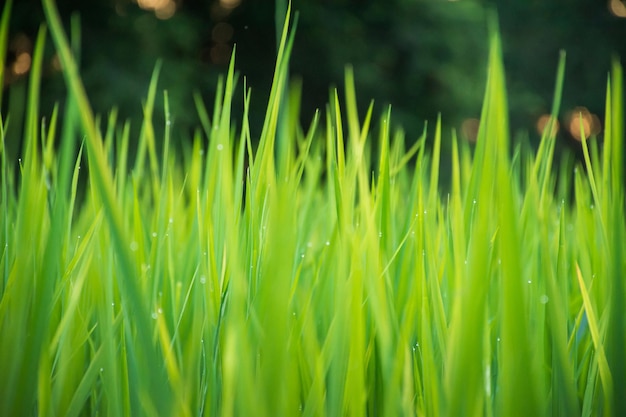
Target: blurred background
{"points": [[421, 56]]}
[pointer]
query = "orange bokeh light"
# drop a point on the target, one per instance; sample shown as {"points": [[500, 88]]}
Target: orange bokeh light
{"points": [[543, 122], [581, 122], [617, 8]]}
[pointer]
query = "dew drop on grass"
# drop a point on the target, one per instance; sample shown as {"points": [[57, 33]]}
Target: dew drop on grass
{"points": [[220, 146], [154, 315], [309, 244], [202, 280], [134, 246], [101, 369], [154, 234], [380, 234], [544, 299], [327, 243], [474, 201], [530, 282], [171, 220], [302, 255], [160, 310]]}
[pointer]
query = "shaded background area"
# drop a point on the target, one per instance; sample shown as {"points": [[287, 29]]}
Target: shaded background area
{"points": [[421, 56]]}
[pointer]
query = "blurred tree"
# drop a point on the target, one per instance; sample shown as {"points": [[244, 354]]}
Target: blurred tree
{"points": [[423, 56]]}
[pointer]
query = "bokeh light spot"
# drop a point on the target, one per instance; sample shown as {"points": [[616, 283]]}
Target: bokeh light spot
{"points": [[220, 54], [544, 121], [222, 32], [229, 4], [469, 129], [22, 63], [617, 8], [582, 122], [163, 9]]}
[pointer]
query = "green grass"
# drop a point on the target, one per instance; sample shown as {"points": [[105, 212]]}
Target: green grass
{"points": [[286, 278]]}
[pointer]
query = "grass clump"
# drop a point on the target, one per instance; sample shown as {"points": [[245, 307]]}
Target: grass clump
{"points": [[291, 280]]}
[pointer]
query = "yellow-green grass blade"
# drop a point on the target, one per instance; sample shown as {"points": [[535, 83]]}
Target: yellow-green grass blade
{"points": [[101, 175]]}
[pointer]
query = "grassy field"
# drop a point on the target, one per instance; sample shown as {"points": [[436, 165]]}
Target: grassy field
{"points": [[288, 279]]}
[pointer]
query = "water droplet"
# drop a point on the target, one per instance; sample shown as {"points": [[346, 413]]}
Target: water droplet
{"points": [[171, 220], [302, 256], [101, 369], [591, 207], [201, 151], [78, 237], [465, 262], [425, 211], [134, 246], [168, 122], [112, 304], [327, 243], [154, 234], [154, 315], [160, 310], [499, 261], [309, 244], [498, 340], [544, 299], [474, 201], [530, 282], [203, 280], [220, 146], [380, 234]]}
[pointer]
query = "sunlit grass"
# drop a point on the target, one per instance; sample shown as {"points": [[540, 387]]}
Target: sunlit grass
{"points": [[280, 276]]}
